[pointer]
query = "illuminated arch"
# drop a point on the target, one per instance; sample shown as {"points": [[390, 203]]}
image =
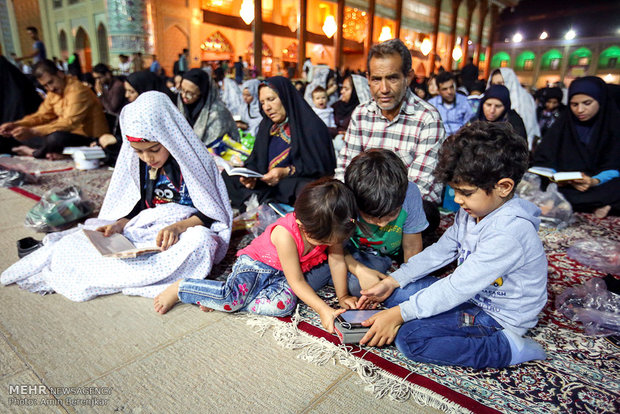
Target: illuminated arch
{"points": [[525, 61], [500, 60], [548, 59]]}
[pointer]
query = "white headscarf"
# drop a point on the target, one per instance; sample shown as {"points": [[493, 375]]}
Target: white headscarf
{"points": [[230, 94], [360, 83], [250, 114], [522, 102], [155, 118]]}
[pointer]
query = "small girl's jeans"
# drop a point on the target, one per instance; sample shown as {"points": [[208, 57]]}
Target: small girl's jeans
{"points": [[251, 287]]}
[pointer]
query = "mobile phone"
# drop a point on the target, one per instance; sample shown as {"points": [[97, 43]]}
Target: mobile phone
{"points": [[354, 318]]}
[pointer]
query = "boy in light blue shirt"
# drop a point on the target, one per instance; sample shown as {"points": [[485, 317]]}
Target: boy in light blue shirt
{"points": [[477, 315]]}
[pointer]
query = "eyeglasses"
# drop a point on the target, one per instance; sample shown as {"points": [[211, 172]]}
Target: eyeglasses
{"points": [[189, 94]]}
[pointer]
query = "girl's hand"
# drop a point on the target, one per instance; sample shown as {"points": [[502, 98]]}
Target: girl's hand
{"points": [[168, 236], [348, 302], [274, 176], [584, 183], [249, 183], [328, 316], [383, 327], [113, 228]]}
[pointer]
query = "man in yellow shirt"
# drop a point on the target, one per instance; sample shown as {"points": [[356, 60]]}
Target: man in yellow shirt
{"points": [[70, 115]]}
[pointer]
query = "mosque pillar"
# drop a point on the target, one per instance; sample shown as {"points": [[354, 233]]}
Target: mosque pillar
{"points": [[593, 66], [564, 65], [487, 62], [301, 35], [371, 26], [484, 9], [433, 55], [399, 17], [452, 37], [127, 26], [339, 39], [471, 6], [257, 31], [537, 64]]}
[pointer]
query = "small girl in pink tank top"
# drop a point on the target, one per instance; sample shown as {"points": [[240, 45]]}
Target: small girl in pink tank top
{"points": [[268, 276]]}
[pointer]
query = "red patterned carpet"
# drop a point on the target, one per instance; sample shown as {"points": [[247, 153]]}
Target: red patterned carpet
{"points": [[580, 375]]}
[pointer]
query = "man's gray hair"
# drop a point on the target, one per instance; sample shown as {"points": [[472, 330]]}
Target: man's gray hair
{"points": [[391, 47]]}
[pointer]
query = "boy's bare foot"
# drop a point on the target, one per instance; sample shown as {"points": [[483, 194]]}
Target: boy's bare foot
{"points": [[602, 212], [23, 150], [167, 299], [368, 277]]}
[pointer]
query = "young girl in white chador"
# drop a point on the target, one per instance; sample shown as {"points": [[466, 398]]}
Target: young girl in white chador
{"points": [[165, 190]]}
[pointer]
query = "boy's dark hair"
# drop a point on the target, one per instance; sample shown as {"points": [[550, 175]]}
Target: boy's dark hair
{"points": [[327, 210], [33, 29], [101, 68], [391, 47], [378, 178], [318, 89], [45, 66], [481, 154], [444, 77]]}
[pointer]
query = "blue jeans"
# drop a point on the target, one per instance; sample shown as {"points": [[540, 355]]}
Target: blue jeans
{"points": [[465, 335], [251, 287], [320, 275]]}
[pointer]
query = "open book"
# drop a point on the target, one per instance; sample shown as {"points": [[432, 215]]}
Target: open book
{"points": [[117, 245], [242, 171], [558, 176]]}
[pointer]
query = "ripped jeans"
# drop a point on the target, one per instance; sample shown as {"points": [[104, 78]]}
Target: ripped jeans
{"points": [[252, 286]]}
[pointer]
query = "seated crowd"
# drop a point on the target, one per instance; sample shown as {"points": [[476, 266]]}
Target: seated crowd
{"points": [[365, 162]]}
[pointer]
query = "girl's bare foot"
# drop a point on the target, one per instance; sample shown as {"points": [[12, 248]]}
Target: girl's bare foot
{"points": [[167, 299], [602, 212], [23, 150]]}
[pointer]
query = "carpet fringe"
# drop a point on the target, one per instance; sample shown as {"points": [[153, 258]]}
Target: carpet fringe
{"points": [[319, 351]]}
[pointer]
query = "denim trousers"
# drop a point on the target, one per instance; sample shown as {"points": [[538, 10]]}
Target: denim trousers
{"points": [[321, 275], [252, 286], [465, 335]]}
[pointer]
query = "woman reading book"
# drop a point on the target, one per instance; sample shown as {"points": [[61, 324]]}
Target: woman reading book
{"points": [[166, 191], [586, 141], [292, 148]]}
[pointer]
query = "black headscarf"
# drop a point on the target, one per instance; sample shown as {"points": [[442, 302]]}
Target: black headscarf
{"points": [[18, 96], [145, 80], [312, 152], [344, 109], [201, 79], [563, 149], [499, 92]]}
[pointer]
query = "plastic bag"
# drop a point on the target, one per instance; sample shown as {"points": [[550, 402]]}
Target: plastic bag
{"points": [[556, 211], [231, 150], [58, 209], [12, 178], [600, 254], [593, 305], [256, 217]]}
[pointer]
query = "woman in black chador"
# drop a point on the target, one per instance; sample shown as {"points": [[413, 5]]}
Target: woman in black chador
{"points": [[292, 148], [588, 140]]}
